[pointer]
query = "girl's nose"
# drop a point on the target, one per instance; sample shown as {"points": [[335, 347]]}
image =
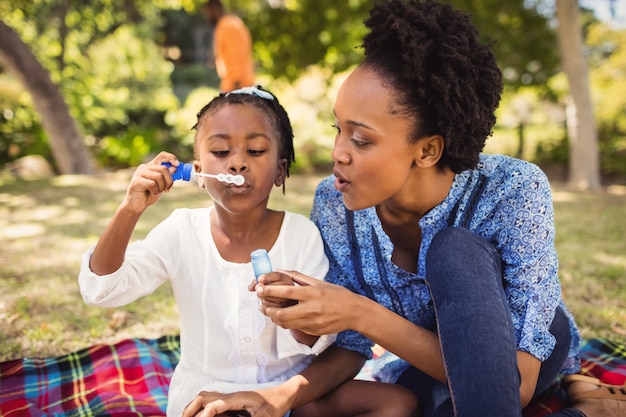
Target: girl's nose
{"points": [[237, 164]]}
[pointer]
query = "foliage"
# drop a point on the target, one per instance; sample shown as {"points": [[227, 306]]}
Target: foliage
{"points": [[524, 41], [608, 80], [327, 33], [110, 71], [20, 132], [291, 35]]}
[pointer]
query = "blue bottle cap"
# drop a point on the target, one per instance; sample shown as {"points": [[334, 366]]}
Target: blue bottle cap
{"points": [[183, 171]]}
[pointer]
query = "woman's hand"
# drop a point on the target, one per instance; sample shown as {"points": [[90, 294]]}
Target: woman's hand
{"points": [[211, 404], [148, 182], [322, 307], [273, 278]]}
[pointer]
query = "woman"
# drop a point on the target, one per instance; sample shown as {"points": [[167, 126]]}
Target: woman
{"points": [[437, 253]]}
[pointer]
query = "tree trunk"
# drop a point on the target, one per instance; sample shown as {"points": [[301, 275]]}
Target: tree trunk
{"points": [[66, 141], [584, 166]]}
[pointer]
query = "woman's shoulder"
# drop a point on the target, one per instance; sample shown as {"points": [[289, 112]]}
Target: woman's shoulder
{"points": [[508, 169], [505, 163], [327, 193]]}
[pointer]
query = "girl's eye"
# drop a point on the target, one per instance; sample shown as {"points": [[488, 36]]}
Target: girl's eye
{"points": [[256, 152], [220, 154]]}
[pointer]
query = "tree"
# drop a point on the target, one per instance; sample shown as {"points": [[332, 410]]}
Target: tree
{"points": [[66, 141], [296, 34], [584, 166], [521, 36], [102, 57]]}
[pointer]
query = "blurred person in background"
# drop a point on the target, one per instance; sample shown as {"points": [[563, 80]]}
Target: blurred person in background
{"points": [[232, 47]]}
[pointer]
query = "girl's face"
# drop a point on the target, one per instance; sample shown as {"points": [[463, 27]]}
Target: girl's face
{"points": [[239, 139], [372, 154]]}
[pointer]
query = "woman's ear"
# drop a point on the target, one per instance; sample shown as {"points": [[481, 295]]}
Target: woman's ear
{"points": [[282, 172], [429, 151]]}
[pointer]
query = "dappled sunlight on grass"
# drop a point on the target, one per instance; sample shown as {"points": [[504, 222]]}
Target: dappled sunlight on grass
{"points": [[592, 259]]}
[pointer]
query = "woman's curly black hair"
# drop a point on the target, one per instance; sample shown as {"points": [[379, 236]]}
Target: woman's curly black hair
{"points": [[445, 78], [274, 110]]}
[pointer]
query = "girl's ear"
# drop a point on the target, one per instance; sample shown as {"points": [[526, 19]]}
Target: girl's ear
{"points": [[197, 168], [282, 172], [429, 151]]}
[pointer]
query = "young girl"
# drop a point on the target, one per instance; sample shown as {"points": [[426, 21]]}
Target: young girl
{"points": [[226, 343]]}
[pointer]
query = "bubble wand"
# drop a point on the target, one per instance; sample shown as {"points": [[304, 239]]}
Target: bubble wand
{"points": [[185, 172]]}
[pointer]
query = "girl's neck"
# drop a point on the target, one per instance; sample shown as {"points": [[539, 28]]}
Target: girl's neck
{"points": [[235, 236]]}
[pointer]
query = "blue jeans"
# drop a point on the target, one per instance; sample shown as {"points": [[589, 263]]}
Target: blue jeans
{"points": [[464, 274]]}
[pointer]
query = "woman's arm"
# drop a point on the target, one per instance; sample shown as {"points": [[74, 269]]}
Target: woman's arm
{"points": [[325, 308], [330, 369]]}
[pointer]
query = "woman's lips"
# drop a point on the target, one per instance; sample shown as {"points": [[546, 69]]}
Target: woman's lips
{"points": [[340, 183]]}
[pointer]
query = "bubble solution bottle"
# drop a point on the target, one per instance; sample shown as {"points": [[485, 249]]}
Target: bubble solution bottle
{"points": [[260, 262]]}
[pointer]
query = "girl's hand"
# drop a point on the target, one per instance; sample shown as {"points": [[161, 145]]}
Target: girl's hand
{"points": [[148, 182], [211, 404], [321, 307]]}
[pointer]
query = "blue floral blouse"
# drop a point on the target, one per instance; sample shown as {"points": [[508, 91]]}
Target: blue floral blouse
{"points": [[506, 200]]}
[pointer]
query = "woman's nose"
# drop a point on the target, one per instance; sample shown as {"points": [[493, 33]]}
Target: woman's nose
{"points": [[340, 153]]}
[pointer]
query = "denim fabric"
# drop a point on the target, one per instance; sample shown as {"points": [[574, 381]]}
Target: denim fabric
{"points": [[476, 333]]}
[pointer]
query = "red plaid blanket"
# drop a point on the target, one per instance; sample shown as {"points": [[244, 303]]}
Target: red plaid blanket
{"points": [[130, 378]]}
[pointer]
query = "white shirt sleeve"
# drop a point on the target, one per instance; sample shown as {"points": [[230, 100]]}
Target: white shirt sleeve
{"points": [[147, 265]]}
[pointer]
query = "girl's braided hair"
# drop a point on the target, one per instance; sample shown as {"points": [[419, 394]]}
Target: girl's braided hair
{"points": [[444, 77]]}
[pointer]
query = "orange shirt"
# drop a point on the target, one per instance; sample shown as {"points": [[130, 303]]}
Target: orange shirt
{"points": [[232, 45]]}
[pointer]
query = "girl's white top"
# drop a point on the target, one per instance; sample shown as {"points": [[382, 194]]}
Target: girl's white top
{"points": [[227, 344]]}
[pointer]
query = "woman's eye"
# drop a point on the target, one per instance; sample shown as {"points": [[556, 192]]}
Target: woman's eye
{"points": [[358, 143], [336, 127]]}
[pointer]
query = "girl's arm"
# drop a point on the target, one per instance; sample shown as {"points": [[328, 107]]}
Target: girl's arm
{"points": [[145, 188], [330, 369]]}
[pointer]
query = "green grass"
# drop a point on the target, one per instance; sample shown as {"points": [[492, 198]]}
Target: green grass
{"points": [[46, 225]]}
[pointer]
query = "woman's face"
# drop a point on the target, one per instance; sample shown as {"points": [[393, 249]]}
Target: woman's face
{"points": [[239, 139], [372, 154]]}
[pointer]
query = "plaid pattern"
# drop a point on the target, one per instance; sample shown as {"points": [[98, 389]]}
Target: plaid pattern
{"points": [[599, 358], [130, 378]]}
